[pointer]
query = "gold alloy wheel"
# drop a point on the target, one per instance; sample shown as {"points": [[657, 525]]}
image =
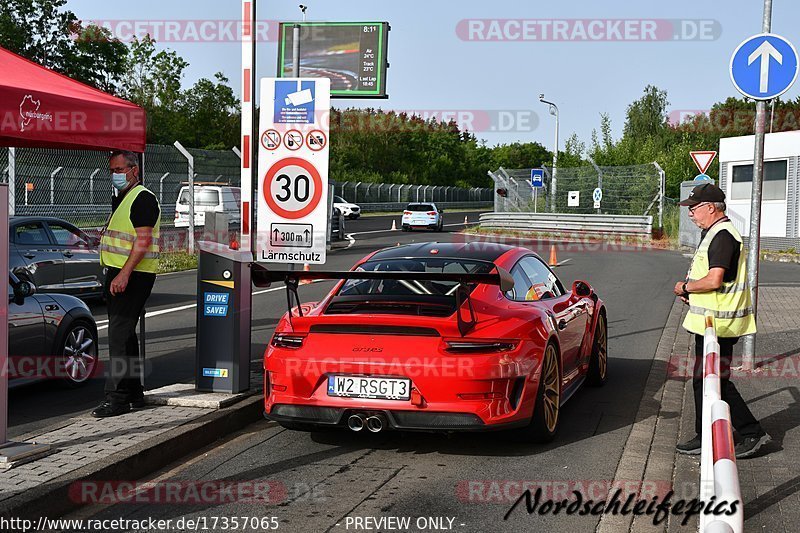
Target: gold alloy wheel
{"points": [[602, 347], [552, 391]]}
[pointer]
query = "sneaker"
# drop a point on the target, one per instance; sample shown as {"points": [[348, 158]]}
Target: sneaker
{"points": [[750, 445], [690, 447], [108, 408]]}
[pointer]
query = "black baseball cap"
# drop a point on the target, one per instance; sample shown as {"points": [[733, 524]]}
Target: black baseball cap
{"points": [[705, 192]]}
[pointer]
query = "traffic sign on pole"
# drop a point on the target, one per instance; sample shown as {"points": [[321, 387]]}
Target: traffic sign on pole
{"points": [[537, 177], [702, 159], [293, 176], [597, 195], [764, 66]]}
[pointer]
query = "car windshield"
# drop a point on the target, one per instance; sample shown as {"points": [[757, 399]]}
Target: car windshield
{"points": [[202, 197], [420, 207], [339, 200]]}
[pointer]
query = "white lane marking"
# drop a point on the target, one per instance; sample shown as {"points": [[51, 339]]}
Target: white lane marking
{"points": [[394, 230], [351, 239], [192, 306]]}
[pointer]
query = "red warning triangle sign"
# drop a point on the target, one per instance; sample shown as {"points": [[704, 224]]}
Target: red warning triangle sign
{"points": [[703, 159]]}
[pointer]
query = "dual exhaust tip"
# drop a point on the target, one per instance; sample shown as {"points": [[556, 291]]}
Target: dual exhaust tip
{"points": [[374, 423]]}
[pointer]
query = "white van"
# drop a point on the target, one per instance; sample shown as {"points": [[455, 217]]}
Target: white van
{"points": [[213, 198]]}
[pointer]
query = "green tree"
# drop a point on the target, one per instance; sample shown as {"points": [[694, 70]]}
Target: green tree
{"points": [[210, 114], [44, 32], [647, 116]]}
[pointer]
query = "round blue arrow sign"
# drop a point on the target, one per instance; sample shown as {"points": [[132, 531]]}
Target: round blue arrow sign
{"points": [[764, 66]]}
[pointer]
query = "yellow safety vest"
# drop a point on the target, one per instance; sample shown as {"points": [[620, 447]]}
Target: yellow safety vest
{"points": [[119, 237], [730, 304]]}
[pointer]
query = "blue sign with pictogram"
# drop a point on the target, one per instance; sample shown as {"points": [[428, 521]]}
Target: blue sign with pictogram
{"points": [[294, 102], [764, 66], [537, 177]]}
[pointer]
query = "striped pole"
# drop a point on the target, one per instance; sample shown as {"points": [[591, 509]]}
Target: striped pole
{"points": [[248, 145], [718, 473], [726, 475]]}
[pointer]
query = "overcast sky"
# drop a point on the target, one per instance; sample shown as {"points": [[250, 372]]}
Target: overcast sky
{"points": [[479, 57]]}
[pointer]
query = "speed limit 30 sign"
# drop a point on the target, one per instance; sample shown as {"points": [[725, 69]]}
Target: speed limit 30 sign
{"points": [[293, 177]]}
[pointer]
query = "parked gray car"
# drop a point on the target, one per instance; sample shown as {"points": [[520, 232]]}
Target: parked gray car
{"points": [[55, 256], [50, 336]]}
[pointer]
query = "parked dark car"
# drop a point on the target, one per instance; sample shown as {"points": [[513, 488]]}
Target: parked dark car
{"points": [[55, 256], [50, 336]]}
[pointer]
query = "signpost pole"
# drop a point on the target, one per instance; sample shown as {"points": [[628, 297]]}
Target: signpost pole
{"points": [[754, 248]]}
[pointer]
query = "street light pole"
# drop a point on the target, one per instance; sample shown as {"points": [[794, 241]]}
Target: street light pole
{"points": [[754, 243], [554, 112]]}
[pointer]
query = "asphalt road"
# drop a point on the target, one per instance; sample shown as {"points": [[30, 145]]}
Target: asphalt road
{"points": [[318, 480]]}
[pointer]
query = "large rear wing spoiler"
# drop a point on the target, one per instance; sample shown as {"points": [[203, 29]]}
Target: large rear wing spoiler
{"points": [[264, 277]]}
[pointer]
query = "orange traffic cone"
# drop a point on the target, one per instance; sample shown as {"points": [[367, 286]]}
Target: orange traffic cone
{"points": [[553, 257], [394, 225], [306, 268]]}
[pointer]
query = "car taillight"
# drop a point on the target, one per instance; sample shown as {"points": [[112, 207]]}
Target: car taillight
{"points": [[286, 340], [461, 346], [406, 212], [431, 213]]}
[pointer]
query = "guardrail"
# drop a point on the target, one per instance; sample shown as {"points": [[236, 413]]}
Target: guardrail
{"points": [[719, 476], [399, 206], [621, 225]]}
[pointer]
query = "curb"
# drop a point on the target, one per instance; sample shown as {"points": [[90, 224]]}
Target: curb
{"points": [[649, 452], [53, 498]]}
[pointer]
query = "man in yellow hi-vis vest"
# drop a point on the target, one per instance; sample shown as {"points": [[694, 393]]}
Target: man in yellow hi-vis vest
{"points": [[717, 283], [129, 252]]}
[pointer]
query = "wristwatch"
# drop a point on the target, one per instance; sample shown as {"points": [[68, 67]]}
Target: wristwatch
{"points": [[684, 288]]}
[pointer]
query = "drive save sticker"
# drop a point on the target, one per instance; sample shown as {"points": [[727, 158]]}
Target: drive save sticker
{"points": [[215, 303], [215, 372]]}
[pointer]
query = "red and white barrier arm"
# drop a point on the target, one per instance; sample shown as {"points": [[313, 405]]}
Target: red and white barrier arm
{"points": [[719, 476]]}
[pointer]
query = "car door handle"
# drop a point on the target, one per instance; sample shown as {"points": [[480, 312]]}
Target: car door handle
{"points": [[562, 324], [29, 255], [68, 254]]}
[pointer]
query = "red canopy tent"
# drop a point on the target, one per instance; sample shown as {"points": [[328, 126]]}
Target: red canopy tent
{"points": [[42, 108]]}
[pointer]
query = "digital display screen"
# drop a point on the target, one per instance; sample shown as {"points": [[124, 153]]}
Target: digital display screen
{"points": [[351, 54]]}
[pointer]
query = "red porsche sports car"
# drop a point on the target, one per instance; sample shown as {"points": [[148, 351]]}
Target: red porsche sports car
{"points": [[435, 337]]}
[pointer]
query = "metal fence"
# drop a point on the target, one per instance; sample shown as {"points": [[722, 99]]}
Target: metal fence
{"points": [[389, 193], [75, 184], [626, 190]]}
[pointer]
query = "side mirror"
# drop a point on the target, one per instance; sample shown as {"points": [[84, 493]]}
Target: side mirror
{"points": [[582, 289], [22, 290], [506, 279]]}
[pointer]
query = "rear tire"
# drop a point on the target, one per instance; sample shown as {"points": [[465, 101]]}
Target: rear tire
{"points": [[78, 354], [598, 361], [544, 422]]}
